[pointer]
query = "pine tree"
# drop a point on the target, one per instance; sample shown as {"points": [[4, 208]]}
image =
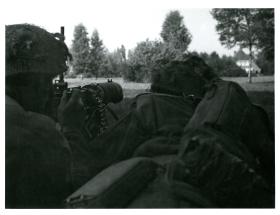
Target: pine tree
{"points": [[97, 53], [175, 35], [122, 52], [80, 49]]}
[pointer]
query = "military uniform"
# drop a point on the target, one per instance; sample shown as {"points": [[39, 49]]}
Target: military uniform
{"points": [[44, 164], [201, 165], [37, 159], [152, 128]]}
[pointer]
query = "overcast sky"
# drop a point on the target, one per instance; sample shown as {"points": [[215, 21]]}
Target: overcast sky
{"points": [[129, 27], [117, 24], [124, 22]]}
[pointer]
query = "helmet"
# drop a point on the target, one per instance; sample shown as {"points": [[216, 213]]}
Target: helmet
{"points": [[187, 76], [31, 49]]}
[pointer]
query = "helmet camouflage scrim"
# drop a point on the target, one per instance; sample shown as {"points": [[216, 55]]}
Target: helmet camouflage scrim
{"points": [[186, 76], [31, 49]]}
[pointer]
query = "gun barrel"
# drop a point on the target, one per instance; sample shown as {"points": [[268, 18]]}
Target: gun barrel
{"points": [[61, 76], [112, 92], [62, 30]]}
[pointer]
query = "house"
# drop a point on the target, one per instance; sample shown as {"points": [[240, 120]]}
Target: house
{"points": [[243, 61]]}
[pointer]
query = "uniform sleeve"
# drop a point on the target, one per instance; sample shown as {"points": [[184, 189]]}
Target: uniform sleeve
{"points": [[81, 157], [37, 172], [38, 160]]}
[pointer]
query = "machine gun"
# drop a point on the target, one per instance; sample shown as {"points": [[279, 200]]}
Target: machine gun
{"points": [[95, 98]]}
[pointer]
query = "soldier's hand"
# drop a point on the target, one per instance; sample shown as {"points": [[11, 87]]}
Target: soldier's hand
{"points": [[71, 112]]}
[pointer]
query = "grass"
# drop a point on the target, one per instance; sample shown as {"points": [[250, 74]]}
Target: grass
{"points": [[262, 83], [131, 89]]}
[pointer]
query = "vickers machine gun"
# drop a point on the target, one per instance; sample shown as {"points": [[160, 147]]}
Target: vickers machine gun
{"points": [[95, 97]]}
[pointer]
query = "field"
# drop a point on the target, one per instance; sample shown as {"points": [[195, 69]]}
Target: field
{"points": [[260, 84], [260, 91]]}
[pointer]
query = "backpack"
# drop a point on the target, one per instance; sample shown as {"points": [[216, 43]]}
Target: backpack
{"points": [[230, 166], [218, 168], [227, 109]]}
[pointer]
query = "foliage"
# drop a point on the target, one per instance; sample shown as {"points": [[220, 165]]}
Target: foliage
{"points": [[122, 52], [147, 54], [142, 59], [109, 66], [80, 49], [114, 64], [174, 33], [96, 54], [236, 27], [224, 66], [248, 28], [264, 24], [266, 64], [70, 75]]}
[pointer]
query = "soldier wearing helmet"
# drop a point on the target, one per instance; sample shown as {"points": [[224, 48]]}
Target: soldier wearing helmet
{"points": [[40, 171]]}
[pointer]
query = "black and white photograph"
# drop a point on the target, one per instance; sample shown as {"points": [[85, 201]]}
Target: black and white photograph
{"points": [[130, 105]]}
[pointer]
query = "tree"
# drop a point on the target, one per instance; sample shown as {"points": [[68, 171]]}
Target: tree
{"points": [[114, 63], [120, 56], [236, 27], [266, 64], [111, 65], [96, 54], [107, 67], [248, 28], [122, 52], [142, 59], [215, 62], [174, 33], [228, 68], [264, 24], [224, 66], [80, 49]]}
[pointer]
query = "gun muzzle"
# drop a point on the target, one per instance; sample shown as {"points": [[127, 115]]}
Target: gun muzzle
{"points": [[112, 92]]}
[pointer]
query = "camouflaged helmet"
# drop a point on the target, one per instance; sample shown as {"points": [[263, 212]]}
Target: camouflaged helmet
{"points": [[188, 76], [31, 49]]}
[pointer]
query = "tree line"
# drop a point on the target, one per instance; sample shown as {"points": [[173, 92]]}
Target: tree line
{"points": [[247, 28], [91, 58], [252, 29]]}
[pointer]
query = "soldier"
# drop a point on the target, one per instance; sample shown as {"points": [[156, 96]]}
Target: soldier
{"points": [[40, 169], [192, 126]]}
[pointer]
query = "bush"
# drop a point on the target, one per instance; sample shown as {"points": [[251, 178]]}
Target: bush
{"points": [[267, 66], [70, 75], [88, 75], [234, 71]]}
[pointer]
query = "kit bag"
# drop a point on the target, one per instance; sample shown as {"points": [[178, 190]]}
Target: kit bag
{"points": [[226, 108], [221, 170], [115, 186]]}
